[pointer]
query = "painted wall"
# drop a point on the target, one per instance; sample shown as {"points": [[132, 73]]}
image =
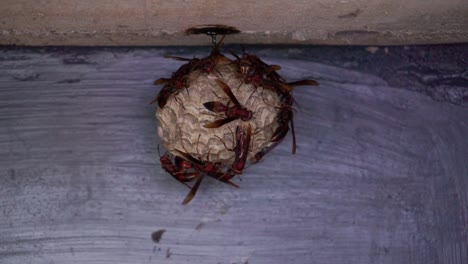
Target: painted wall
{"points": [[380, 173], [153, 22]]}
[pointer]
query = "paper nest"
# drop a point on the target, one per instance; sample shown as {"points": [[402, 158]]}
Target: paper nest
{"points": [[182, 119]]}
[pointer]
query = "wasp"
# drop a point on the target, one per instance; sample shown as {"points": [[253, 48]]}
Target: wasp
{"points": [[237, 111]]}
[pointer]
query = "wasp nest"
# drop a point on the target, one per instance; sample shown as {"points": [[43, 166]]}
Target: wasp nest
{"points": [[216, 114], [184, 119]]}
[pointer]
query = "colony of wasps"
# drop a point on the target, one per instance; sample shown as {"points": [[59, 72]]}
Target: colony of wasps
{"points": [[184, 166]]}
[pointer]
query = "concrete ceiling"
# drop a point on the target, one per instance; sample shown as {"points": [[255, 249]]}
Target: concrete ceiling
{"points": [[153, 22]]}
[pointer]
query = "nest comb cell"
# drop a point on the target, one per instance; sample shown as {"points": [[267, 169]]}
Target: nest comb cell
{"points": [[218, 114]]}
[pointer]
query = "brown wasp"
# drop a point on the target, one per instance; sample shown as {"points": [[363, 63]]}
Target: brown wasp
{"points": [[259, 73], [212, 169], [179, 170], [179, 79], [285, 116], [207, 65], [282, 87], [174, 85], [187, 168], [200, 168], [241, 149], [237, 111], [253, 69]]}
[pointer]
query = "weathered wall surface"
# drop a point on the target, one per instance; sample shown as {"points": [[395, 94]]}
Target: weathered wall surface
{"points": [[153, 22], [380, 174]]}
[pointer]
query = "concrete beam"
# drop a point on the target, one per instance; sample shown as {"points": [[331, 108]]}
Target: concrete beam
{"points": [[153, 22]]}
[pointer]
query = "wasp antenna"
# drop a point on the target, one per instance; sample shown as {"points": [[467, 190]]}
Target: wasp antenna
{"points": [[224, 143], [233, 136], [234, 54], [159, 153], [219, 97], [181, 141], [154, 100], [177, 100], [207, 155], [176, 58], [238, 176], [297, 104], [220, 74], [239, 86], [250, 96], [220, 43], [198, 143], [293, 135]]}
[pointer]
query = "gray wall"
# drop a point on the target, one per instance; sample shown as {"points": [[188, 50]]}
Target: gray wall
{"points": [[380, 176]]}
